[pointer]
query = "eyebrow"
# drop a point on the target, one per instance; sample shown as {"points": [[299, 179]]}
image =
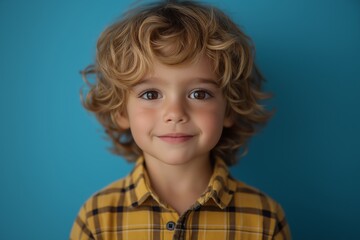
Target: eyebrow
{"points": [[196, 80], [208, 81]]}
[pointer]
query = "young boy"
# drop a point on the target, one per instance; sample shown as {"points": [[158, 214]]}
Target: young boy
{"points": [[177, 89]]}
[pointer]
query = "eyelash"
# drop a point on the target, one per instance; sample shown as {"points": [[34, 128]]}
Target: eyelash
{"points": [[206, 93], [146, 94]]}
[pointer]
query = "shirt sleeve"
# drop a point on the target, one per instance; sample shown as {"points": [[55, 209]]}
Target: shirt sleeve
{"points": [[80, 229], [282, 229]]}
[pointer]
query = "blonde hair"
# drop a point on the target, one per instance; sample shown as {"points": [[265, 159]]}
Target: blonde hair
{"points": [[175, 32]]}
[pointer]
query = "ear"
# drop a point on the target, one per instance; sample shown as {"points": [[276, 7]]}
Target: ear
{"points": [[228, 121], [122, 120]]}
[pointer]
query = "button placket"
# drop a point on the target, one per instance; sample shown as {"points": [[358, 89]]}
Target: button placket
{"points": [[180, 229]]}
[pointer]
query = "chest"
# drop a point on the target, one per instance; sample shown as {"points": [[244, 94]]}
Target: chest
{"points": [[208, 223]]}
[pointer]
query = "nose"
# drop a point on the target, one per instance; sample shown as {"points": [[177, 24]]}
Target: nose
{"points": [[175, 111]]}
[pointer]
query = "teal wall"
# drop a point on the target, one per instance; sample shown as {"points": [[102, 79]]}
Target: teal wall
{"points": [[53, 155]]}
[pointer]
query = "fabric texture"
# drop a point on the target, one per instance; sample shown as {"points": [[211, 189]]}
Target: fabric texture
{"points": [[228, 209]]}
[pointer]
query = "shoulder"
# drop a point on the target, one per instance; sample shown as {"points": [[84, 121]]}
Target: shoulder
{"points": [[103, 201], [111, 195], [253, 205], [120, 195], [249, 196]]}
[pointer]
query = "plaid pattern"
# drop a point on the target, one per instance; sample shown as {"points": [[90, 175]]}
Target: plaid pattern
{"points": [[128, 209]]}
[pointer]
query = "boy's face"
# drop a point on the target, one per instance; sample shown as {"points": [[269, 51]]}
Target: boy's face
{"points": [[176, 113]]}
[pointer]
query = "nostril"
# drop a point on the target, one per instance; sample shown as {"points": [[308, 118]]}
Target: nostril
{"points": [[175, 119]]}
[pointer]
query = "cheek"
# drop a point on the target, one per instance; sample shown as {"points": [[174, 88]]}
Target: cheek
{"points": [[141, 120], [211, 130], [211, 121], [212, 124], [139, 126]]}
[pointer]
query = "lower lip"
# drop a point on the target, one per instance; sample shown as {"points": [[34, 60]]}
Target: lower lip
{"points": [[180, 139]]}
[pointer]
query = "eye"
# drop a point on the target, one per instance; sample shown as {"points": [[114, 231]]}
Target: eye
{"points": [[150, 95], [200, 94]]}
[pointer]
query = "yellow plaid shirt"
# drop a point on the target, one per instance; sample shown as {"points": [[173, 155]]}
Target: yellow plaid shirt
{"points": [[128, 209]]}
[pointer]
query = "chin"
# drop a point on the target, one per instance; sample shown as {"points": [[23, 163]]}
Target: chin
{"points": [[178, 159]]}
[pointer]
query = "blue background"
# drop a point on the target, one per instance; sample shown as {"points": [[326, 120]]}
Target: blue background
{"points": [[53, 154]]}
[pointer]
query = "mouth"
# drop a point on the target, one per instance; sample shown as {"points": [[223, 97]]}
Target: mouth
{"points": [[175, 137]]}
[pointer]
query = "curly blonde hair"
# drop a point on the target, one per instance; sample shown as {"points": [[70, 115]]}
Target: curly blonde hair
{"points": [[176, 32]]}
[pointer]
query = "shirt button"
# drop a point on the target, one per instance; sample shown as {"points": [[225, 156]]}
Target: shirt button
{"points": [[170, 226]]}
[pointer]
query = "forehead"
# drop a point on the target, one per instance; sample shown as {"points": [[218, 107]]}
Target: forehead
{"points": [[201, 68]]}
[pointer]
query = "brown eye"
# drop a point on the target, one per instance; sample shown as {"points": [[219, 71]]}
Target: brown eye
{"points": [[150, 95], [200, 95]]}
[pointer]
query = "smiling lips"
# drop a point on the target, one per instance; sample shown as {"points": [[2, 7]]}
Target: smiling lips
{"points": [[175, 137]]}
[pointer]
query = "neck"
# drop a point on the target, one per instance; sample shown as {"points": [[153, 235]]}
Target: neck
{"points": [[180, 185]]}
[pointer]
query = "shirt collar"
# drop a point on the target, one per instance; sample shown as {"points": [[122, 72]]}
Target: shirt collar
{"points": [[220, 189], [221, 186]]}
